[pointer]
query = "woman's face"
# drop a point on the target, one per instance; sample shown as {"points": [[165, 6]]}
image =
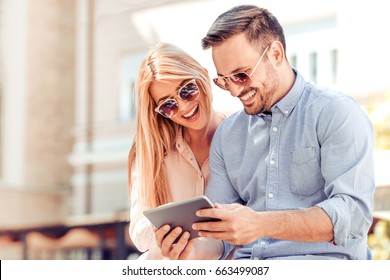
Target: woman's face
{"points": [[190, 114]]}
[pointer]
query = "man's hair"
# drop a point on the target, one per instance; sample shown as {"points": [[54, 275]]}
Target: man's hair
{"points": [[259, 25]]}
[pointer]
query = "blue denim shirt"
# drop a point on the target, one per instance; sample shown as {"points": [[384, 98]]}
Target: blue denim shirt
{"points": [[316, 149]]}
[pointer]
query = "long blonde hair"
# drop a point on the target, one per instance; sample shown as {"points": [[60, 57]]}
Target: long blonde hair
{"points": [[155, 134]]}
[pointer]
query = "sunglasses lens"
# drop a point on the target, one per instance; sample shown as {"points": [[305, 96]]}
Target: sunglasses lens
{"points": [[240, 78], [222, 83], [189, 92], [168, 108]]}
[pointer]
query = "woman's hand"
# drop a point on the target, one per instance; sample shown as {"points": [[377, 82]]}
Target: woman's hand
{"points": [[181, 250]]}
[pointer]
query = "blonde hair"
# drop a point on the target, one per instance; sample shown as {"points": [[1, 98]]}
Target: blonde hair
{"points": [[156, 135]]}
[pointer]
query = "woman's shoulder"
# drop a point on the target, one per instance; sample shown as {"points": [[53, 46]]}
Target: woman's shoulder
{"points": [[221, 116]]}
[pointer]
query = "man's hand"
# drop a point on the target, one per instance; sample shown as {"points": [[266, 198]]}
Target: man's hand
{"points": [[241, 225], [237, 226]]}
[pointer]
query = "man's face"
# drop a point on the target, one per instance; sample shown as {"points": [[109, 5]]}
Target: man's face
{"points": [[235, 55]]}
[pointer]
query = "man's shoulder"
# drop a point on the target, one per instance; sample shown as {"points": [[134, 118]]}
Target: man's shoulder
{"points": [[325, 93], [320, 97], [236, 119], [331, 103]]}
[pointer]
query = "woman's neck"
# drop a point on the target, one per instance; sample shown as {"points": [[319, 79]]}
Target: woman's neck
{"points": [[200, 140], [205, 135]]}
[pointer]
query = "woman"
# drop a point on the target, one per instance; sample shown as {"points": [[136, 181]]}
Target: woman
{"points": [[168, 160]]}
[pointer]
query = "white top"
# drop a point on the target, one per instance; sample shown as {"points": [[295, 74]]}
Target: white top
{"points": [[185, 180]]}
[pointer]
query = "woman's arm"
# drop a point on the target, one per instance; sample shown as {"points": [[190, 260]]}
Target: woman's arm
{"points": [[140, 230]]}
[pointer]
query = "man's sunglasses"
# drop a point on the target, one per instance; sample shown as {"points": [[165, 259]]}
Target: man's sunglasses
{"points": [[188, 92], [240, 78]]}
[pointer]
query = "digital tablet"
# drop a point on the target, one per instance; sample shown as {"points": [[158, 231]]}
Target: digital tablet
{"points": [[181, 213]]}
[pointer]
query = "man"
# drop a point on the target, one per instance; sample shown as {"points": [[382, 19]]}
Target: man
{"points": [[293, 173]]}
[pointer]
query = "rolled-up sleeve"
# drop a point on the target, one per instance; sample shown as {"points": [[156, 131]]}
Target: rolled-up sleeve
{"points": [[347, 165]]}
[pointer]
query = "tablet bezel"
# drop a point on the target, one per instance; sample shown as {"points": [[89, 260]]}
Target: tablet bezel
{"points": [[180, 213]]}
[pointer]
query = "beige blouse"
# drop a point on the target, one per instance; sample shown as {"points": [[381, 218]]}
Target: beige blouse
{"points": [[185, 180]]}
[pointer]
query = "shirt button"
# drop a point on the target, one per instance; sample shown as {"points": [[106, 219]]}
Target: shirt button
{"points": [[286, 112], [256, 258], [271, 195], [275, 129], [272, 162]]}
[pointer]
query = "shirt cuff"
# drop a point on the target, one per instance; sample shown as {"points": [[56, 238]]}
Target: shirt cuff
{"points": [[340, 216], [227, 249]]}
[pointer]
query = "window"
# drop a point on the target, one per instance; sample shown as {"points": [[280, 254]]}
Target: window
{"points": [[129, 72], [334, 65], [293, 61], [313, 64]]}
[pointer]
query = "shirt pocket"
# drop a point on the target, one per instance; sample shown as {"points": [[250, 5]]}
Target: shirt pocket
{"points": [[305, 172]]}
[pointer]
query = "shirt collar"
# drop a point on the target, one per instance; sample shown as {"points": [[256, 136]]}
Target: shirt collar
{"points": [[290, 100], [179, 138]]}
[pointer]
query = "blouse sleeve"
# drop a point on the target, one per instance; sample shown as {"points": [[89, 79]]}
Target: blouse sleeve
{"points": [[140, 229]]}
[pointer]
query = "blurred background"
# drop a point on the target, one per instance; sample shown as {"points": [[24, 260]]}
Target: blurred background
{"points": [[67, 74]]}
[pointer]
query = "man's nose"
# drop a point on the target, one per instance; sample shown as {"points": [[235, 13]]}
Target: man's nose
{"points": [[235, 90]]}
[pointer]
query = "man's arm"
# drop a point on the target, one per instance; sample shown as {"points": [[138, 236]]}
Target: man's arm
{"points": [[241, 225]]}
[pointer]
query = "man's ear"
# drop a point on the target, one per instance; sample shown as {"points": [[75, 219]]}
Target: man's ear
{"points": [[277, 52]]}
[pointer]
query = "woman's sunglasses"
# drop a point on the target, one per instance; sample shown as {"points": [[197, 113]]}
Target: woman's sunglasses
{"points": [[240, 78], [188, 92]]}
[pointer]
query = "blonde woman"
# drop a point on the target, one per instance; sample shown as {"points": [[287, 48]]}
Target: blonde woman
{"points": [[175, 125]]}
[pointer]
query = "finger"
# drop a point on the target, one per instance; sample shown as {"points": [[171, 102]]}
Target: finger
{"points": [[179, 246], [210, 213], [218, 206], [167, 243], [187, 250], [211, 226], [160, 233], [219, 211], [228, 206], [218, 235]]}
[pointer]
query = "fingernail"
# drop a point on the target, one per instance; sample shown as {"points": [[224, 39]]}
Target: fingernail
{"points": [[178, 230], [186, 235]]}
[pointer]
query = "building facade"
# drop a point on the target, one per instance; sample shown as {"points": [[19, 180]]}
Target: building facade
{"points": [[68, 70]]}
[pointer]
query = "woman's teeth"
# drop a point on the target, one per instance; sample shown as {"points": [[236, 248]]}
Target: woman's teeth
{"points": [[248, 95], [192, 112]]}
